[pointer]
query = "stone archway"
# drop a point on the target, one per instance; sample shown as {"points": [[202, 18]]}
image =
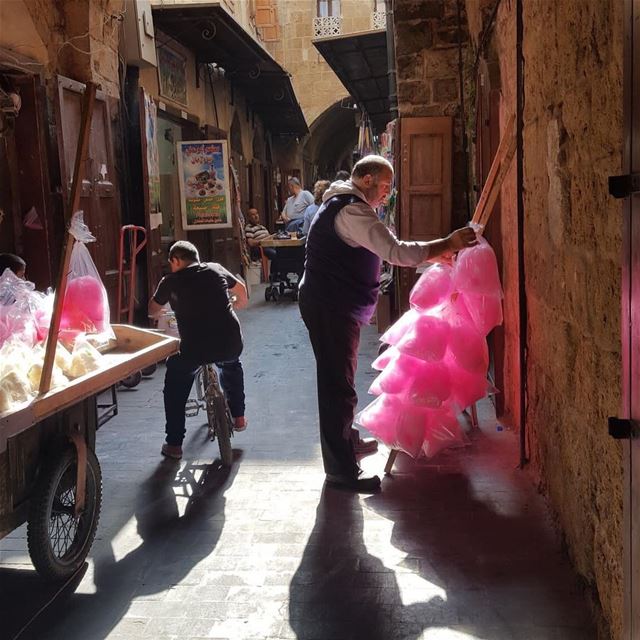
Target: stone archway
{"points": [[332, 137]]}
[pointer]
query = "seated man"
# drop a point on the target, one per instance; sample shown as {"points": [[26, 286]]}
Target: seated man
{"points": [[255, 233], [296, 203], [209, 332]]}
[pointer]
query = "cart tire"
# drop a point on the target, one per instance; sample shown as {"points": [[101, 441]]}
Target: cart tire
{"points": [[150, 370], [132, 381], [52, 506]]}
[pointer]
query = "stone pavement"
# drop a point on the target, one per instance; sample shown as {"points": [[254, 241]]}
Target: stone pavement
{"points": [[460, 548]]}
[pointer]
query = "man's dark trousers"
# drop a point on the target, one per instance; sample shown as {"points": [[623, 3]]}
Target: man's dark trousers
{"points": [[178, 380], [335, 339]]}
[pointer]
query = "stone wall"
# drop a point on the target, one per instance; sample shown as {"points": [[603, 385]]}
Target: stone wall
{"points": [[426, 36], [315, 84], [572, 142], [573, 138], [74, 38]]}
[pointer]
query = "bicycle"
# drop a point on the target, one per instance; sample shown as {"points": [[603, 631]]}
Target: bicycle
{"points": [[209, 396]]}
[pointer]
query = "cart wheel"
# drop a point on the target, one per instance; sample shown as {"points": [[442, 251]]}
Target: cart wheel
{"points": [[132, 381], [58, 540], [282, 288], [267, 294], [150, 370]]}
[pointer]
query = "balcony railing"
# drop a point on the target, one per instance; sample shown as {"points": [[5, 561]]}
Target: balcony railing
{"points": [[327, 26], [379, 20]]}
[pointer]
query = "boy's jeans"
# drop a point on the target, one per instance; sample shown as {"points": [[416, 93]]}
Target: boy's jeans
{"points": [[178, 380]]}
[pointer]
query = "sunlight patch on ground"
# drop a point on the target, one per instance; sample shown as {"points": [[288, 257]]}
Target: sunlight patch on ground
{"points": [[446, 633]]}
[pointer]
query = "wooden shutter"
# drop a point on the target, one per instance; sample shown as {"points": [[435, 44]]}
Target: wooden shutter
{"points": [[425, 177]]}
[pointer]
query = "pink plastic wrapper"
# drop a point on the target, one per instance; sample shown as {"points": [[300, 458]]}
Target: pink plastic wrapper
{"points": [[431, 385], [380, 418], [476, 270], [410, 430], [467, 346], [398, 374], [426, 339], [433, 287], [485, 311], [393, 334], [466, 387], [85, 306], [384, 358], [443, 431]]}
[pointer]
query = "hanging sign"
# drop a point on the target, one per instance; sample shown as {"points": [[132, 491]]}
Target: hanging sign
{"points": [[203, 171]]}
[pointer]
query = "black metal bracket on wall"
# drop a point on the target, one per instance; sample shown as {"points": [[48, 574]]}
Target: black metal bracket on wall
{"points": [[624, 428], [625, 185]]}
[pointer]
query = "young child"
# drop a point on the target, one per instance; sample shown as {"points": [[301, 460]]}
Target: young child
{"points": [[13, 262]]}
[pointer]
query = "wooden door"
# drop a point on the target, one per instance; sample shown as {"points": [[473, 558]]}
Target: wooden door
{"points": [[99, 194], [631, 321], [424, 185]]}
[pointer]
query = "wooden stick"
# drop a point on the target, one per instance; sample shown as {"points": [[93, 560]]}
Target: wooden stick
{"points": [[499, 167], [393, 454], [495, 192], [74, 203]]}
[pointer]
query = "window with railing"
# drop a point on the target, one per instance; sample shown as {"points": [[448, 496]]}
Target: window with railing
{"points": [[327, 21], [379, 17]]}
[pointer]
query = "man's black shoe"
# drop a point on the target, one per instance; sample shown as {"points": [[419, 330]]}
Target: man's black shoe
{"points": [[366, 484]]}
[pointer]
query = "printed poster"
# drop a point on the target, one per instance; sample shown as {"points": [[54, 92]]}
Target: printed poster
{"points": [[203, 170], [152, 158], [172, 74]]}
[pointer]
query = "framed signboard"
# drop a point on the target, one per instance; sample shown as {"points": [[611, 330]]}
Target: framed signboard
{"points": [[203, 171], [172, 75]]}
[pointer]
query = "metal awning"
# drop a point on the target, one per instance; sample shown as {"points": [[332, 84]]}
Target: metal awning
{"points": [[213, 34], [360, 61]]}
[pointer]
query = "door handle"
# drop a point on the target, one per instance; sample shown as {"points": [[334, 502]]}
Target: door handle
{"points": [[624, 428]]}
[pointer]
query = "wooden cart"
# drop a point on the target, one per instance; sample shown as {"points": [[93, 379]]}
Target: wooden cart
{"points": [[49, 474]]}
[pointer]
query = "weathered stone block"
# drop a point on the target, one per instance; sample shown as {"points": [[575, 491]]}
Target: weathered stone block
{"points": [[413, 10], [413, 37], [409, 67], [415, 92], [445, 89]]}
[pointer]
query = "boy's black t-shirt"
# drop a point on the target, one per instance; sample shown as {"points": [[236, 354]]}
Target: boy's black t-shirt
{"points": [[209, 328]]}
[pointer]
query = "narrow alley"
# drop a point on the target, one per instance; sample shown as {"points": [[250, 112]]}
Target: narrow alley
{"points": [[460, 548]]}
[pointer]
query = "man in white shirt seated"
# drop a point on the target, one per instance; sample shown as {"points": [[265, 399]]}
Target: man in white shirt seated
{"points": [[297, 202]]}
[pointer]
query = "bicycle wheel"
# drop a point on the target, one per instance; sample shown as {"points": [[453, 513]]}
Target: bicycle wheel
{"points": [[58, 540], [223, 431]]}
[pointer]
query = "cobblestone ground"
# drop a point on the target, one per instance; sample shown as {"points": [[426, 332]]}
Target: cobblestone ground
{"points": [[460, 548]]}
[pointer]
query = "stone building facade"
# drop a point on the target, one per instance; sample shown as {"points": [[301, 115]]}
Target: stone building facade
{"points": [[428, 51], [74, 39], [572, 140]]}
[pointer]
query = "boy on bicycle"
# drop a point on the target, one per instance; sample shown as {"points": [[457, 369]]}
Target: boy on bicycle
{"points": [[199, 294]]}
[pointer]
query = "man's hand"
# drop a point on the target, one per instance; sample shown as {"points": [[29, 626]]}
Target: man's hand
{"points": [[154, 309], [461, 239]]}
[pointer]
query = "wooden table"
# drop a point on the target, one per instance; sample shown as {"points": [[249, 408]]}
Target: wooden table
{"points": [[271, 241]]}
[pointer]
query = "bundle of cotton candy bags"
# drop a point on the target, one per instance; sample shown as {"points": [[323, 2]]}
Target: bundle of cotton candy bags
{"points": [[437, 360]]}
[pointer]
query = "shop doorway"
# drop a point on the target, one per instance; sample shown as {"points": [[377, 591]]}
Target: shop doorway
{"points": [[26, 211]]}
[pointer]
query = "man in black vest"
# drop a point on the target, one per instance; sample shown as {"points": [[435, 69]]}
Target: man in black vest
{"points": [[338, 294]]}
